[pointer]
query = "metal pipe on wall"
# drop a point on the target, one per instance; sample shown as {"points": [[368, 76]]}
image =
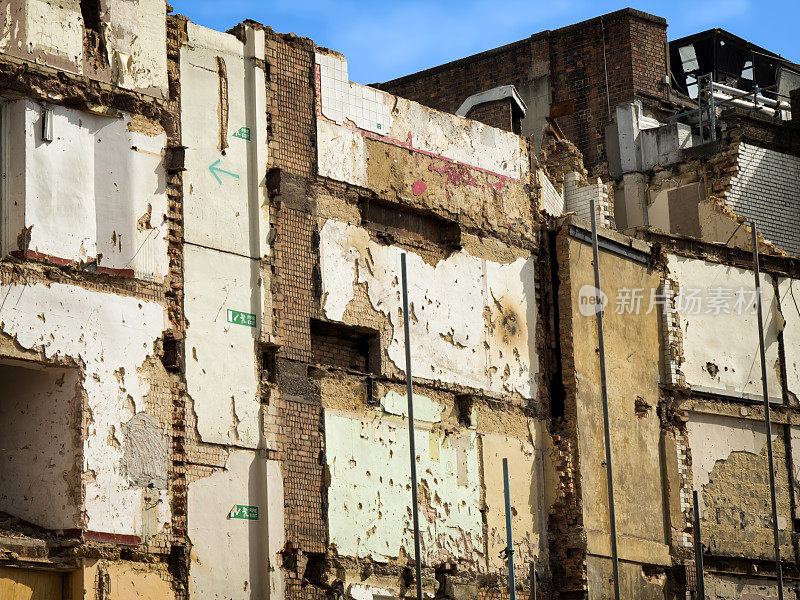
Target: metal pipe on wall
{"points": [[604, 390], [698, 551], [512, 587], [767, 418], [412, 447]]}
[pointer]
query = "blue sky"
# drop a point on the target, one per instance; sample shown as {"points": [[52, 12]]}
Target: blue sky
{"points": [[383, 40]]}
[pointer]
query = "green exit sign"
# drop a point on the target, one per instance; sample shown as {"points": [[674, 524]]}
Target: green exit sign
{"points": [[241, 511], [241, 318]]}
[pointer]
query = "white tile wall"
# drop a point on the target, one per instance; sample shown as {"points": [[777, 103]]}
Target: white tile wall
{"points": [[767, 190], [577, 198], [342, 99], [552, 201]]}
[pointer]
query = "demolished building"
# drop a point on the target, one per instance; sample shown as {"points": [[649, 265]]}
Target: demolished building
{"points": [[201, 343]]}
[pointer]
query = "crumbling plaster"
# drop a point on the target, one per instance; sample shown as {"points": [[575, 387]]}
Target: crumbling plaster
{"points": [[223, 125], [635, 426], [729, 468], [110, 336], [96, 192], [370, 452], [221, 364], [484, 340], [130, 56], [720, 351], [229, 558], [401, 149]]}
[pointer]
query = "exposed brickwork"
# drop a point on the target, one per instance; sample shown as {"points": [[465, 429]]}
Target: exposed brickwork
{"points": [[500, 114], [290, 63], [629, 45], [346, 352], [294, 263]]}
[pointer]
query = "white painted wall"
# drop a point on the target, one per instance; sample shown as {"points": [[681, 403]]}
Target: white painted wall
{"points": [[85, 192], [402, 121], [136, 41], [55, 28], [112, 336], [227, 211], [789, 294], [229, 556], [40, 466], [715, 437], [221, 365], [449, 302], [371, 452], [728, 341]]}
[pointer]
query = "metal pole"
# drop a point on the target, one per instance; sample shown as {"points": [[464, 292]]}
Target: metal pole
{"points": [[512, 587], [412, 448], [698, 552], [533, 579], [767, 420], [604, 390]]}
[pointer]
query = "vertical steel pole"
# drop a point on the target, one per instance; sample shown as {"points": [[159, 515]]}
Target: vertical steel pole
{"points": [[533, 579], [512, 586], [412, 447], [604, 390], [698, 552], [767, 419]]}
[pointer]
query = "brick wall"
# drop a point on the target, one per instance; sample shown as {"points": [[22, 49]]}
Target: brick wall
{"points": [[635, 59], [339, 350], [578, 72], [765, 190], [290, 98], [445, 87], [499, 113]]}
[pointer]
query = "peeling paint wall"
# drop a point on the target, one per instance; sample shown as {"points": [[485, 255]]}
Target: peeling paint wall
{"points": [[136, 35], [720, 351], [111, 336], [223, 124], [789, 296], [729, 468], [131, 53], [632, 369], [402, 150], [96, 192], [229, 555], [221, 369], [370, 452], [484, 340], [40, 445]]}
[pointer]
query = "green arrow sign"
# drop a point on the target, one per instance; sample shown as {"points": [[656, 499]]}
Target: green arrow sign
{"points": [[238, 317], [242, 511], [215, 169]]}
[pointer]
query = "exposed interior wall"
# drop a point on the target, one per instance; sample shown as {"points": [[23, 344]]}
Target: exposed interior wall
{"points": [[460, 448], [112, 338], [372, 452], [229, 554], [455, 167], [789, 297], [95, 193], [729, 468], [223, 126], [40, 418], [223, 307], [125, 47], [720, 345], [484, 341], [765, 190], [635, 424]]}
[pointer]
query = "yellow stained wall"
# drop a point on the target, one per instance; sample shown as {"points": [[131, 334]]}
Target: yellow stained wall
{"points": [[632, 349]]}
